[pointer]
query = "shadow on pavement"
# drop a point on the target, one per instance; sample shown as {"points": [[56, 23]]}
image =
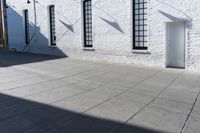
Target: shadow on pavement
{"points": [[23, 116], [15, 58]]}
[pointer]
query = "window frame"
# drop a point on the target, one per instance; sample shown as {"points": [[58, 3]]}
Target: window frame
{"points": [[141, 32], [87, 24], [26, 26], [52, 30]]}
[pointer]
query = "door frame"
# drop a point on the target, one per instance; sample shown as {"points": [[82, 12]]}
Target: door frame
{"points": [[166, 43]]}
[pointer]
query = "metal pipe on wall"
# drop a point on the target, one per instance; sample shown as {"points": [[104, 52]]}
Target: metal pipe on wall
{"points": [[4, 23]]}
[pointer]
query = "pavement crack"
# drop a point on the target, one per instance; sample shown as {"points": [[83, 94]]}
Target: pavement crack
{"points": [[189, 114]]}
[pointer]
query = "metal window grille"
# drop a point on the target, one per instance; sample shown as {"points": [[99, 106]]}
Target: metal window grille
{"points": [[52, 25], [26, 24], [87, 13], [140, 25]]}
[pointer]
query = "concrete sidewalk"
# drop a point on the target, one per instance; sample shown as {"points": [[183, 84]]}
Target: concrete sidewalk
{"points": [[41, 94]]}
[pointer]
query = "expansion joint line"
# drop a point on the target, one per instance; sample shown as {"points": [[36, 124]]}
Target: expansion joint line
{"points": [[149, 102], [125, 90], [73, 118], [189, 114]]}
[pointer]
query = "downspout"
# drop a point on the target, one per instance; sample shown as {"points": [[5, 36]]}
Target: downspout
{"points": [[4, 23]]}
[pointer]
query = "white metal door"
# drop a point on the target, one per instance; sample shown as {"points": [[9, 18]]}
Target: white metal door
{"points": [[176, 45]]}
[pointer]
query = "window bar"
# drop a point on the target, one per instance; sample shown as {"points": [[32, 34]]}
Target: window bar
{"points": [[87, 16], [52, 25], [139, 22], [143, 24], [134, 29], [26, 24]]}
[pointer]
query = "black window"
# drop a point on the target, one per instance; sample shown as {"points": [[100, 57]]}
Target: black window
{"points": [[26, 26], [52, 25], [140, 24], [87, 14]]}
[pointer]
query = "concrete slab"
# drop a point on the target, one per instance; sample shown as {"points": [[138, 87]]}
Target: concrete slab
{"points": [[136, 77], [136, 98], [192, 125], [23, 106], [17, 124], [47, 117], [85, 86], [121, 84], [35, 130], [115, 110], [36, 88], [89, 74], [86, 124], [162, 78], [188, 80], [160, 120], [6, 101], [196, 112], [80, 103], [55, 95], [40, 94], [185, 83], [147, 88], [180, 95], [25, 82], [135, 129], [105, 92], [198, 102], [6, 113], [171, 105]]}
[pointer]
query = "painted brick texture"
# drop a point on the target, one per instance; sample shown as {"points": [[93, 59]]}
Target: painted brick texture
{"points": [[112, 30]]}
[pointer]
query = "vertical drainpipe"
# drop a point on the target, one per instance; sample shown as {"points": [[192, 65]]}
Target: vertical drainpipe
{"points": [[35, 14], [4, 23]]}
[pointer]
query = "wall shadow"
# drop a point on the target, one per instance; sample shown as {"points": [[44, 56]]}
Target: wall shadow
{"points": [[39, 42], [113, 24], [20, 115], [68, 26]]}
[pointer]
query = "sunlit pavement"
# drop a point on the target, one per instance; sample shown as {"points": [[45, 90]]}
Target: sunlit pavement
{"points": [[45, 94]]}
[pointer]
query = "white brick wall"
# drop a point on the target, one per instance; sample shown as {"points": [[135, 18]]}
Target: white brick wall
{"points": [[112, 40]]}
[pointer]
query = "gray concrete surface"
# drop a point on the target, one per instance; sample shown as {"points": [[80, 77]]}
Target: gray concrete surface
{"points": [[43, 94]]}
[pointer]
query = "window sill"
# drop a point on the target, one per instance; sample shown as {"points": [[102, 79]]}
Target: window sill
{"points": [[88, 49], [51, 46], [141, 52]]}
